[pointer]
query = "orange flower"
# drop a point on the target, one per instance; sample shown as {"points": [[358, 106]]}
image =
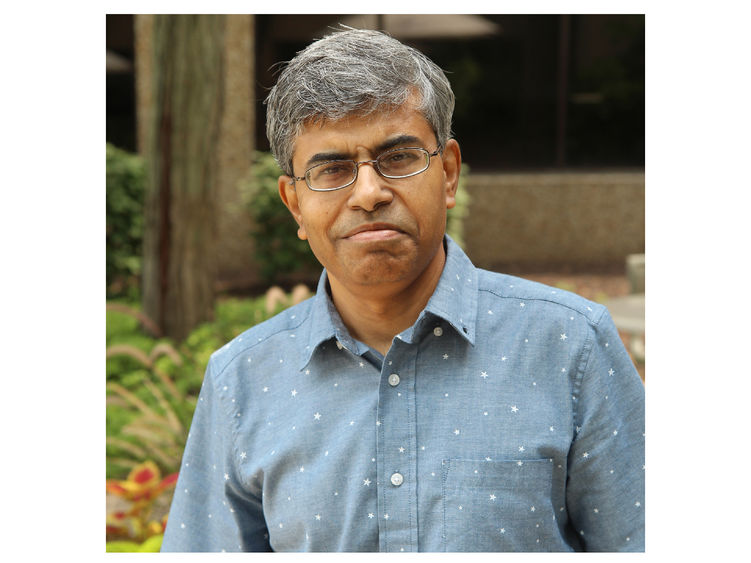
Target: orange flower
{"points": [[144, 483]]}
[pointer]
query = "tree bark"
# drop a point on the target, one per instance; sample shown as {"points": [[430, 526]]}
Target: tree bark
{"points": [[180, 143]]}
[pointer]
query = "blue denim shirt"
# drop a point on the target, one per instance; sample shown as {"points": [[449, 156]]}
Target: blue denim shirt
{"points": [[509, 417]]}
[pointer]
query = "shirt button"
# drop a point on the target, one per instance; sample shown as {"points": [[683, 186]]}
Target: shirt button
{"points": [[438, 331], [397, 479], [394, 380]]}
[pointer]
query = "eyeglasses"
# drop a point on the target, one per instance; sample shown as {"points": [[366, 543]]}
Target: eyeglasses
{"points": [[396, 163]]}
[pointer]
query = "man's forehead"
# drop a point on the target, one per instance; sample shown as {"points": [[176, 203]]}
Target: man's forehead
{"points": [[374, 130]]}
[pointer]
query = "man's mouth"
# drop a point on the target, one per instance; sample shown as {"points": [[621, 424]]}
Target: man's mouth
{"points": [[373, 232]]}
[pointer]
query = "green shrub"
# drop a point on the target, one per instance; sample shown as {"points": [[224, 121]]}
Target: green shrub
{"points": [[125, 220], [152, 385], [278, 251]]}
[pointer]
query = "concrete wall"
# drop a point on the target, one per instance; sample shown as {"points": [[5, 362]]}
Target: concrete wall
{"points": [[553, 220]]}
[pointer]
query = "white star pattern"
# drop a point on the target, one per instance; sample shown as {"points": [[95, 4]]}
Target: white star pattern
{"points": [[318, 516], [611, 372], [563, 337], [243, 455], [484, 375], [514, 409], [366, 482], [456, 431], [445, 356], [317, 416], [294, 392], [492, 497]]}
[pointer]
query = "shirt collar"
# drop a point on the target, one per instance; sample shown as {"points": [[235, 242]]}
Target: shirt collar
{"points": [[454, 300], [455, 296]]}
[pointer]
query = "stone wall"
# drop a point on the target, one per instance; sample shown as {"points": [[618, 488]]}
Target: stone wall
{"points": [[554, 220]]}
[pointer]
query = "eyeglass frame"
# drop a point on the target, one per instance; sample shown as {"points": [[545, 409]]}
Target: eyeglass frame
{"points": [[374, 162]]}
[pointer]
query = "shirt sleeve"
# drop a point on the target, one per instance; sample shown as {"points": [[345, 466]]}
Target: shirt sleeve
{"points": [[211, 511], [605, 489]]}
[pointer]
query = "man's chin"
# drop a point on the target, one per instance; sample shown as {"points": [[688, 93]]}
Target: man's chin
{"points": [[380, 265]]}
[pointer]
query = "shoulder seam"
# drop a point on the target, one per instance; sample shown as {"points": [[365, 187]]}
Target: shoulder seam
{"points": [[594, 318], [252, 345]]}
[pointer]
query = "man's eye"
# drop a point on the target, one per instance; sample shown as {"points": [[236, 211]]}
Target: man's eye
{"points": [[400, 158], [396, 157], [335, 168]]}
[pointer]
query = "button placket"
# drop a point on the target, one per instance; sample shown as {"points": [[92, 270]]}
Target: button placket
{"points": [[396, 445]]}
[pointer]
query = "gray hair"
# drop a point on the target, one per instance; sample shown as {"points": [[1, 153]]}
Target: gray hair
{"points": [[353, 72]]}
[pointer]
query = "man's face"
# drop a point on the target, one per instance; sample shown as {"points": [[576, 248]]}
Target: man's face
{"points": [[378, 230]]}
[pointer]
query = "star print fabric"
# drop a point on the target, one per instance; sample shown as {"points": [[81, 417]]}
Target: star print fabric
{"points": [[507, 418]]}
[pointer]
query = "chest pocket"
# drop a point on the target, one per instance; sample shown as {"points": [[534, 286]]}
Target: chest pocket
{"points": [[499, 506]]}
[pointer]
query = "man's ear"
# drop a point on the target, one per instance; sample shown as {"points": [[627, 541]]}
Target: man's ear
{"points": [[288, 193], [452, 165]]}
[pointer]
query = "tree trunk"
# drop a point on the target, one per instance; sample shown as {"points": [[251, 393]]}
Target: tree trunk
{"points": [[180, 144]]}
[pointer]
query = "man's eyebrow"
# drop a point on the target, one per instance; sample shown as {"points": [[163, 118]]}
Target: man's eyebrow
{"points": [[396, 141], [326, 156], [382, 147]]}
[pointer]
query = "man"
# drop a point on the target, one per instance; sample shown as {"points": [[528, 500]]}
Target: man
{"points": [[416, 403]]}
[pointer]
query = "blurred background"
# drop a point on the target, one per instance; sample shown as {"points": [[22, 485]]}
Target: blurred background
{"points": [[550, 119]]}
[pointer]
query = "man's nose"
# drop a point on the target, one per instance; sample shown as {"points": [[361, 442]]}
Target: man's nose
{"points": [[370, 189]]}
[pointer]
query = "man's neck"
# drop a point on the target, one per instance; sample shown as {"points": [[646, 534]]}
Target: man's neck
{"points": [[376, 314]]}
